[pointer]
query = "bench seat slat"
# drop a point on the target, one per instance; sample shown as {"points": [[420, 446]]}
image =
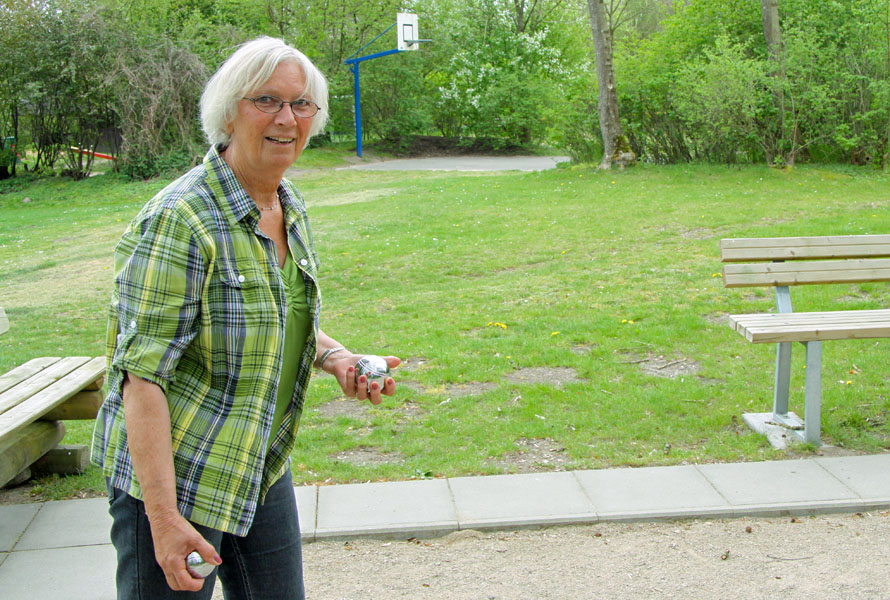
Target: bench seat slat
{"points": [[50, 397], [39, 381], [839, 271], [797, 248], [22, 372], [812, 327], [837, 316]]}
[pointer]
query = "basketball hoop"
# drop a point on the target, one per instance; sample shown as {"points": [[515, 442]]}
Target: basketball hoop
{"points": [[407, 41]]}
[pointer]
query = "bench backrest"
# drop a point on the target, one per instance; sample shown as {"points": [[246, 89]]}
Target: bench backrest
{"points": [[805, 260]]}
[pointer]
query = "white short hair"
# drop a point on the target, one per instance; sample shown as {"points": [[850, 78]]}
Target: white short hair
{"points": [[248, 68]]}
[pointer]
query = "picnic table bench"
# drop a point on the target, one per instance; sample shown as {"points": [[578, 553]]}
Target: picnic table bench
{"points": [[34, 400], [784, 262]]}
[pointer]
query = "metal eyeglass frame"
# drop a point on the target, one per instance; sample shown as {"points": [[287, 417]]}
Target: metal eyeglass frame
{"points": [[308, 104]]}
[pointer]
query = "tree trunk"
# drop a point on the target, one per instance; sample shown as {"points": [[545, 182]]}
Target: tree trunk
{"points": [[772, 33], [519, 15], [607, 105], [14, 113]]}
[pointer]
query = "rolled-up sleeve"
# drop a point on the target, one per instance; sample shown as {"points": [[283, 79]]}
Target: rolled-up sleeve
{"points": [[159, 275]]}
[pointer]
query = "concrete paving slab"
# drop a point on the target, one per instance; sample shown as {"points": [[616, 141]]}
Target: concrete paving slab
{"points": [[502, 501], [775, 482], [307, 504], [68, 523], [3, 556], [653, 491], [60, 574], [868, 476], [14, 519], [403, 508], [778, 437]]}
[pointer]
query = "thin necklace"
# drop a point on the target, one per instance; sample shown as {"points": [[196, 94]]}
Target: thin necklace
{"points": [[273, 205]]}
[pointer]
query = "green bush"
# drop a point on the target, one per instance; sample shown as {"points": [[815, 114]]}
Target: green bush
{"points": [[7, 157], [146, 166]]}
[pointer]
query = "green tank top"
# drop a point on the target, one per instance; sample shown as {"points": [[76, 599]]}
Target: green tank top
{"points": [[296, 332]]}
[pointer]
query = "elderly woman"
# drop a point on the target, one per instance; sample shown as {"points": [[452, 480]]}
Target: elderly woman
{"points": [[213, 332]]}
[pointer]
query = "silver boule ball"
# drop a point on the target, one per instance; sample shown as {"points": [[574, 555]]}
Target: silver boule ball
{"points": [[374, 368], [197, 566]]}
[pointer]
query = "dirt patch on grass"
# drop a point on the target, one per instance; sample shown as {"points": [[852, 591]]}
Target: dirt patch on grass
{"points": [[660, 366], [533, 456], [859, 296], [720, 318], [343, 407], [414, 363], [368, 457], [547, 375], [698, 233], [799, 450], [410, 411], [670, 368], [457, 390], [19, 494], [360, 432], [582, 349]]}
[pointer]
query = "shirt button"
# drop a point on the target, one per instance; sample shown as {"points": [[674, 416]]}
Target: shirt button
{"points": [[132, 324], [241, 278], [303, 262]]}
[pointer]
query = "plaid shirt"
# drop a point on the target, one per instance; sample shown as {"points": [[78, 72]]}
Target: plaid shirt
{"points": [[199, 309]]}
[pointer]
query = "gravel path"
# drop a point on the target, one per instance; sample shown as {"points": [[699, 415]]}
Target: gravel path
{"points": [[830, 557]]}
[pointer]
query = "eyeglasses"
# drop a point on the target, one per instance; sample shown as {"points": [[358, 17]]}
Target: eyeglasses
{"points": [[301, 107]]}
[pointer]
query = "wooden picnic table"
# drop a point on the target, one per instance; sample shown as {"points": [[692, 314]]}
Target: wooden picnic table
{"points": [[35, 399]]}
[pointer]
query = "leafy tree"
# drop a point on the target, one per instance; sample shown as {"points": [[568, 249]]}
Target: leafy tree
{"points": [[54, 58], [499, 72], [649, 69], [157, 107], [720, 99]]}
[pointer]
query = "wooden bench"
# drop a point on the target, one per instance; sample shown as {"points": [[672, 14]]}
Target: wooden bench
{"points": [[34, 400], [784, 262]]}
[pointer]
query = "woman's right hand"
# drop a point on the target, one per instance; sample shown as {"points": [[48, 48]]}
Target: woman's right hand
{"points": [[174, 539], [343, 367]]}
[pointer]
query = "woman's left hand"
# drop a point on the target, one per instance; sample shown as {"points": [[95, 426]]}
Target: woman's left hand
{"points": [[343, 368]]}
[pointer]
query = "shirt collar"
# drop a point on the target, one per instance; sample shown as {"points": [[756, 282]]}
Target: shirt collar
{"points": [[238, 204], [237, 201]]}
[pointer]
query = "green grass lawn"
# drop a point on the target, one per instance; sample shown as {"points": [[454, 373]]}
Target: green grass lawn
{"points": [[539, 314]]}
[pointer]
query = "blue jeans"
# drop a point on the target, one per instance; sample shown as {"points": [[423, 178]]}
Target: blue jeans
{"points": [[266, 564]]}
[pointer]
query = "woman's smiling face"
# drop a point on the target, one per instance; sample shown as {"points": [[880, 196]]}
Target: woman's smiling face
{"points": [[264, 144]]}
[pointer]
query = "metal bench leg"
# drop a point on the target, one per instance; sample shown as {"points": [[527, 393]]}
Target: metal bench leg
{"points": [[783, 382], [813, 393], [783, 366]]}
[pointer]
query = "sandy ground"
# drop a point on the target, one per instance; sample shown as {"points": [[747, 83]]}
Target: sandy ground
{"points": [[830, 557]]}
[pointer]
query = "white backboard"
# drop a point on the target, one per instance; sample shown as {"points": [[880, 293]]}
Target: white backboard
{"points": [[406, 23]]}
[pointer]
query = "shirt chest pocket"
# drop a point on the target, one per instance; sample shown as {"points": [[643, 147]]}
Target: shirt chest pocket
{"points": [[240, 298]]}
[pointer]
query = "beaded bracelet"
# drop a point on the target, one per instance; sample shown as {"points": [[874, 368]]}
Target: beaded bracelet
{"points": [[320, 362]]}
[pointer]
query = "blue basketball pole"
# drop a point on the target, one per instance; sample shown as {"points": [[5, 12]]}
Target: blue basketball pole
{"points": [[353, 66], [358, 109]]}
